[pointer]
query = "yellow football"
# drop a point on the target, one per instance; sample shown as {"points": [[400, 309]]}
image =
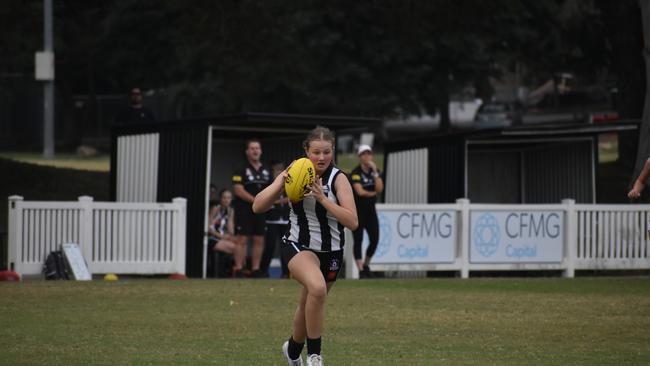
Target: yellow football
{"points": [[110, 277], [300, 175]]}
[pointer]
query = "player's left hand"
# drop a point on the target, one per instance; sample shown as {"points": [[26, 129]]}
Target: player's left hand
{"points": [[316, 190]]}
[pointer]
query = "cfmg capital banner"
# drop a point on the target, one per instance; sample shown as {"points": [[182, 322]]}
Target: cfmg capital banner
{"points": [[516, 236], [414, 236]]}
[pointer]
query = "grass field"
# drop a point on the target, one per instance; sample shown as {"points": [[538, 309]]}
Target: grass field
{"points": [[100, 163], [347, 162], [550, 321]]}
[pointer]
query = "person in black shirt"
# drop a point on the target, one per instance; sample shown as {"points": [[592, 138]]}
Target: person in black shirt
{"points": [[277, 223], [251, 179], [366, 184], [136, 112]]}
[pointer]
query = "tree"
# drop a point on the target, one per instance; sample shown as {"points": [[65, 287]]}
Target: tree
{"points": [[365, 58], [644, 133]]}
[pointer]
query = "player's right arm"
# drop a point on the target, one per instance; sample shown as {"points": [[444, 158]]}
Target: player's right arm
{"points": [[639, 183], [265, 199]]}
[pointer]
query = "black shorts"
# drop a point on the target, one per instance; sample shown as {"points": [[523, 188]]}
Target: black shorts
{"points": [[248, 223], [330, 262]]}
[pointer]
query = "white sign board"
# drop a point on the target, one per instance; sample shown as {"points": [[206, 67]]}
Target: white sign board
{"points": [[414, 236], [76, 262], [516, 236], [44, 65]]}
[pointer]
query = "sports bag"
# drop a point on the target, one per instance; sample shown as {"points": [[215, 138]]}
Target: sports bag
{"points": [[54, 267]]}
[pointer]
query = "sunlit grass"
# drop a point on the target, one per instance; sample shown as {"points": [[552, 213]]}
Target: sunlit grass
{"points": [[607, 148], [100, 163], [347, 162]]}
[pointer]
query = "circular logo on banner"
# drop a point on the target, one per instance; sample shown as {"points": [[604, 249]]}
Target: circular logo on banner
{"points": [[384, 235], [486, 235]]}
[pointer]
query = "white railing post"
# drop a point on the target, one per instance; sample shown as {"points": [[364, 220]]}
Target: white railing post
{"points": [[570, 237], [179, 247], [15, 237], [86, 230], [463, 237], [351, 270]]}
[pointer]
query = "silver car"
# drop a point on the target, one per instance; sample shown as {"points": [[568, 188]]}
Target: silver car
{"points": [[498, 114]]}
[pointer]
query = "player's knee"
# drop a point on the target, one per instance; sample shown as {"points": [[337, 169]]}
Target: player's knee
{"points": [[317, 290]]}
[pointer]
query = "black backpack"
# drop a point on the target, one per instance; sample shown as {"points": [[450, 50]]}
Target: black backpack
{"points": [[54, 268]]}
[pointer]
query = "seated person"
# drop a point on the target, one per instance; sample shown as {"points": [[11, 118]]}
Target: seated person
{"points": [[221, 230]]}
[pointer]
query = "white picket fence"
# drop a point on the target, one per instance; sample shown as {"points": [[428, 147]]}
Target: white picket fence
{"points": [[611, 237], [593, 237], [114, 237], [149, 238]]}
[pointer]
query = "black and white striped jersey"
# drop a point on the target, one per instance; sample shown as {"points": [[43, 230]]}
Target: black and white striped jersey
{"points": [[311, 225]]}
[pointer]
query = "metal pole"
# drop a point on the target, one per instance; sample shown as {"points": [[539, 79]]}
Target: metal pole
{"points": [[48, 86]]}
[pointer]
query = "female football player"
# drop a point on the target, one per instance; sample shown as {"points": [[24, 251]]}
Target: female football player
{"points": [[313, 247]]}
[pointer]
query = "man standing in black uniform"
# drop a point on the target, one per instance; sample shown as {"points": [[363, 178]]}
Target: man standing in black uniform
{"points": [[277, 223], [136, 112], [366, 184], [248, 182]]}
